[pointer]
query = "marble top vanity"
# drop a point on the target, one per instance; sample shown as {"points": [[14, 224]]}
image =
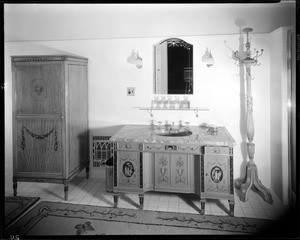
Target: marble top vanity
{"points": [[150, 134], [191, 159]]}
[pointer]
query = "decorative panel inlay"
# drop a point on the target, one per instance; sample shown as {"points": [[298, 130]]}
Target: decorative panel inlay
{"points": [[141, 169], [128, 146], [39, 137], [179, 169], [162, 169], [216, 173], [202, 173], [115, 166], [231, 174], [128, 168], [38, 90]]}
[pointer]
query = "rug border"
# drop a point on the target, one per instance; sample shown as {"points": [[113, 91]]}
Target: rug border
{"points": [[190, 215], [13, 217]]}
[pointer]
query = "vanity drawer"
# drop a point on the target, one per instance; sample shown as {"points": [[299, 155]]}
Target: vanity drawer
{"points": [[172, 148], [216, 150], [129, 146]]}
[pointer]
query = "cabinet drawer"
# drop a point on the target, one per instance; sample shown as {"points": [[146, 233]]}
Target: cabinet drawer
{"points": [[217, 150], [171, 148], [129, 146]]}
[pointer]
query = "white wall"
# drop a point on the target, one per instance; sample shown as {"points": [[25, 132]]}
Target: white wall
{"points": [[279, 114], [89, 21], [218, 88]]}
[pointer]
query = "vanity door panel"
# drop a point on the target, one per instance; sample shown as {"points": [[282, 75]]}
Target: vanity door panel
{"points": [[216, 174], [162, 170], [128, 169]]}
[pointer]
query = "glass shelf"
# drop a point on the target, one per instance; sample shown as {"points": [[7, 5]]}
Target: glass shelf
{"points": [[195, 109]]}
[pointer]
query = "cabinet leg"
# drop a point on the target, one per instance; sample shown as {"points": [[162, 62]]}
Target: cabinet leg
{"points": [[66, 190], [87, 171], [231, 208], [141, 197], [116, 199], [202, 210], [15, 186]]}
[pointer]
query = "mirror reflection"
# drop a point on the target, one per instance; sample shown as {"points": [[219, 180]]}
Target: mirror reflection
{"points": [[173, 67]]}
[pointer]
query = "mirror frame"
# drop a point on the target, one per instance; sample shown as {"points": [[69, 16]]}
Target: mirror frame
{"points": [[161, 61]]}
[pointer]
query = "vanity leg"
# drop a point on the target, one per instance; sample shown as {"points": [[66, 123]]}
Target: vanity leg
{"points": [[231, 207], [66, 190], [141, 197], [15, 186], [202, 210], [116, 199]]}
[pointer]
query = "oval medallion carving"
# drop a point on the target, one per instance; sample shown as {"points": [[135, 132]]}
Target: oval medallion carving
{"points": [[128, 169], [216, 174], [38, 90]]}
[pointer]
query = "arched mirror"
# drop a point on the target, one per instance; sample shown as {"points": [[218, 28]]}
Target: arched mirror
{"points": [[173, 67]]}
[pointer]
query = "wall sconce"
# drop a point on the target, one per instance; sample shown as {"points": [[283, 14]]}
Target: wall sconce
{"points": [[208, 58], [135, 59]]}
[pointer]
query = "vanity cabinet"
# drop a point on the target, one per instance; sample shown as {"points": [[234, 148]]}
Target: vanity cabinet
{"points": [[201, 163], [50, 119]]}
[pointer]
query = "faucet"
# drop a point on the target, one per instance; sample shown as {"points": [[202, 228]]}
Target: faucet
{"points": [[167, 126], [152, 124]]}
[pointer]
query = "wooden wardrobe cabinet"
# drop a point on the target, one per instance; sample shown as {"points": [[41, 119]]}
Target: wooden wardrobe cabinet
{"points": [[50, 119]]}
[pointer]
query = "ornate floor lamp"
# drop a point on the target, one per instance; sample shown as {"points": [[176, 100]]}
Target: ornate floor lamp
{"points": [[251, 178]]}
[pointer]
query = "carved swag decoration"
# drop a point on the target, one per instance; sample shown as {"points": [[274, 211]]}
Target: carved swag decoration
{"points": [[39, 137]]}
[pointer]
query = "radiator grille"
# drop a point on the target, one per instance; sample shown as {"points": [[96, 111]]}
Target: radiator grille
{"points": [[102, 150]]}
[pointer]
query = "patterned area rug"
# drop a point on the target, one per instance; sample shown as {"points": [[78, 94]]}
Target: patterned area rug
{"points": [[50, 218], [15, 206]]}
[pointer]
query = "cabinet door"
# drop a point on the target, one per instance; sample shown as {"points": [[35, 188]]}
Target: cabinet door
{"points": [[128, 169], [38, 148], [216, 173], [39, 88], [162, 170], [179, 170]]}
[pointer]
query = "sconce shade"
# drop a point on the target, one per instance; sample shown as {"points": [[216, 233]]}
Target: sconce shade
{"points": [[135, 59], [208, 58], [131, 59], [210, 61]]}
